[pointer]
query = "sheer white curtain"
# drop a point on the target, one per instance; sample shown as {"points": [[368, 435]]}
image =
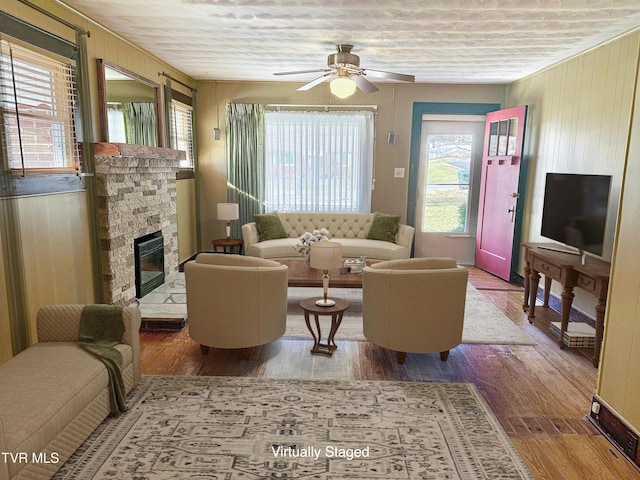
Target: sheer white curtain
{"points": [[318, 161]]}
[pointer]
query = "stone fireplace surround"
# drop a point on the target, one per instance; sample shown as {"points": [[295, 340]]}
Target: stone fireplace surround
{"points": [[136, 188]]}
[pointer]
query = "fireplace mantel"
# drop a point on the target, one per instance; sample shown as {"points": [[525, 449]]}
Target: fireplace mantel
{"points": [[137, 151]]}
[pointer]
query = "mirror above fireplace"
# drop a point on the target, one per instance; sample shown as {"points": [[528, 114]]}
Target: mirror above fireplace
{"points": [[129, 106]]}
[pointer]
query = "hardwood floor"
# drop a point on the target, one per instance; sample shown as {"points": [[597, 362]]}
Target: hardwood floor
{"points": [[540, 394]]}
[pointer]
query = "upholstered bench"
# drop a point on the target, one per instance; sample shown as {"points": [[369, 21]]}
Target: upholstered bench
{"points": [[54, 394], [351, 230]]}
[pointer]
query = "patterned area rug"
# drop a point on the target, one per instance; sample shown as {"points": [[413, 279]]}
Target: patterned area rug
{"points": [[483, 322], [253, 429]]}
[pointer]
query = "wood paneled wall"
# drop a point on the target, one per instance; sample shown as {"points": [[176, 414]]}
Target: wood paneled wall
{"points": [[5, 329], [578, 122], [186, 205], [56, 253], [618, 382]]}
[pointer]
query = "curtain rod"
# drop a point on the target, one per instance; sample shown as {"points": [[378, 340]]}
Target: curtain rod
{"points": [[55, 17], [177, 81], [326, 107]]}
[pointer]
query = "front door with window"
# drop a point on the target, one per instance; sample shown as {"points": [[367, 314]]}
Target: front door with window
{"points": [[447, 200], [498, 211]]}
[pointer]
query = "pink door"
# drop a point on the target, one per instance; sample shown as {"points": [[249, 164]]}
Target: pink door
{"points": [[499, 190]]}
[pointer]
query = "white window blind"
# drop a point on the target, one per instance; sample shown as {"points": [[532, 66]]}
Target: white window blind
{"points": [[37, 98], [182, 130], [318, 161]]}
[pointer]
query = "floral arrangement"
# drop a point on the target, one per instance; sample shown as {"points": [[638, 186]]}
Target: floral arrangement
{"points": [[303, 247]]}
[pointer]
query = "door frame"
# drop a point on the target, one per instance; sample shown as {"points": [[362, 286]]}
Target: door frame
{"points": [[431, 108]]}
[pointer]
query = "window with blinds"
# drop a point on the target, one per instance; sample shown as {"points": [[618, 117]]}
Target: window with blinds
{"points": [[182, 130], [37, 104], [318, 161]]}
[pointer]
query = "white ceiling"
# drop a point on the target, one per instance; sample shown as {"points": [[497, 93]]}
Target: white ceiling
{"points": [[438, 41]]}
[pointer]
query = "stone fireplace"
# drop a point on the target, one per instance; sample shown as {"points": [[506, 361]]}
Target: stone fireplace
{"points": [[136, 188]]}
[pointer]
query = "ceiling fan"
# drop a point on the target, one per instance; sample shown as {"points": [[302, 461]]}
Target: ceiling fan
{"points": [[345, 74]]}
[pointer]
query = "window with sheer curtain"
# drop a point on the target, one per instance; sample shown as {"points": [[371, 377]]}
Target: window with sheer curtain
{"points": [[318, 161]]}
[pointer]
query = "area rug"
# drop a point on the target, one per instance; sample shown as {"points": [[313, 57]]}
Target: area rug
{"points": [[251, 428], [483, 322]]}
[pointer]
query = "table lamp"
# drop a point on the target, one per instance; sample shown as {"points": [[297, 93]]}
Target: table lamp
{"points": [[325, 256], [228, 212]]}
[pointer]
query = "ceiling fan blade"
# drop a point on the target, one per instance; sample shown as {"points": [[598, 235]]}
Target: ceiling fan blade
{"points": [[303, 71], [389, 75], [363, 84], [315, 82]]}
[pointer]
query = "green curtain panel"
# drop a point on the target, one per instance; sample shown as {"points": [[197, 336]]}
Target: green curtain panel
{"points": [[245, 161], [140, 123]]}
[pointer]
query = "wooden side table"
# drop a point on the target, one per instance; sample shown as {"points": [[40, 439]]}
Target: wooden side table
{"points": [[227, 244], [336, 311], [569, 271]]}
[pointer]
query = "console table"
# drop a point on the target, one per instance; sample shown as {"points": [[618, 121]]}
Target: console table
{"points": [[567, 269]]}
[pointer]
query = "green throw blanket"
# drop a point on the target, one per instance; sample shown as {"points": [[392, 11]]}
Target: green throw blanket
{"points": [[101, 329]]}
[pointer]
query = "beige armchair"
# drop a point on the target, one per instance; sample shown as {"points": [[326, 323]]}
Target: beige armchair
{"points": [[235, 301], [414, 305]]}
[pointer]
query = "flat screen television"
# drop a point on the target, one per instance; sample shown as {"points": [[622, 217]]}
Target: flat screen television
{"points": [[575, 210]]}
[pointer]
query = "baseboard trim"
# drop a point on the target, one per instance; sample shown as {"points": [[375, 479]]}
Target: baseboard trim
{"points": [[616, 430]]}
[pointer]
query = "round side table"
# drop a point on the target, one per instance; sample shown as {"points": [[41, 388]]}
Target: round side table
{"points": [[336, 311], [227, 244]]}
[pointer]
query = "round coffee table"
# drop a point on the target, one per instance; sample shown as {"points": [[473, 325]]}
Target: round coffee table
{"points": [[336, 311]]}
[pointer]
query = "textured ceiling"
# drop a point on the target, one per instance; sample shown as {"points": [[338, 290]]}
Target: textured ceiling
{"points": [[443, 41]]}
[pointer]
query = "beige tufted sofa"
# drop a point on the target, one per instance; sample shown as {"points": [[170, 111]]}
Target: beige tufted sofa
{"points": [[348, 229], [54, 394]]}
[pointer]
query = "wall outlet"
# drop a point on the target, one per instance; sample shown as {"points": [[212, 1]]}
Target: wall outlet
{"points": [[398, 173]]}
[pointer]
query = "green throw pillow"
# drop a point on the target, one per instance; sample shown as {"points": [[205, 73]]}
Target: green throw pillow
{"points": [[384, 227], [269, 226]]}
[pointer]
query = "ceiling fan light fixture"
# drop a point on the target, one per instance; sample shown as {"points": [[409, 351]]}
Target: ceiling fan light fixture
{"points": [[342, 87]]}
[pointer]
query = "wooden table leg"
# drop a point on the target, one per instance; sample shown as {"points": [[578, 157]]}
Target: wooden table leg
{"points": [[527, 272], [318, 346], [308, 322], [336, 320], [547, 290], [534, 281], [567, 300]]}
